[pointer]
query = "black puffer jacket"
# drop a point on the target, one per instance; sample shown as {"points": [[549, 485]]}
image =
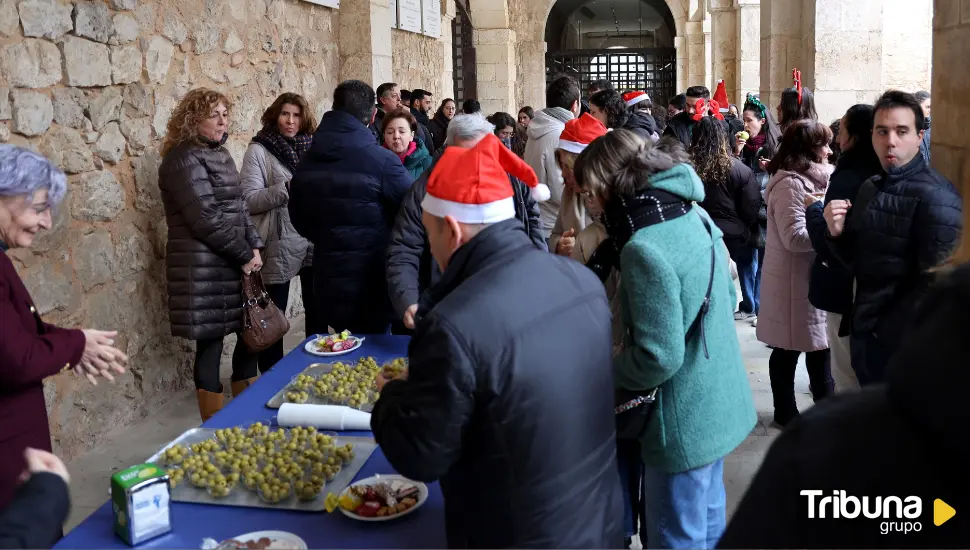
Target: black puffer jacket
{"points": [[734, 204], [210, 238], [439, 130], [681, 127], [907, 437], [912, 224], [830, 286], [519, 429], [410, 268], [343, 199], [641, 123]]}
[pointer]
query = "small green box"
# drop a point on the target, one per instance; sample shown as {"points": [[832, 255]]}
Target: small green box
{"points": [[140, 498]]}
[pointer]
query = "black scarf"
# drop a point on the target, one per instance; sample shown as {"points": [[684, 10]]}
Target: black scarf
{"points": [[624, 217], [288, 151]]}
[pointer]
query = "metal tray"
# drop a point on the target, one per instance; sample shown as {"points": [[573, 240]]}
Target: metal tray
{"points": [[316, 369], [185, 492]]}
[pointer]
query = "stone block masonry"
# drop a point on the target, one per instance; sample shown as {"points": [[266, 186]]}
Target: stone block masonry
{"points": [[91, 85]]}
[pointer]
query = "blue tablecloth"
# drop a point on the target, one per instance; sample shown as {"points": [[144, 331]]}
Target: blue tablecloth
{"points": [[192, 522]]}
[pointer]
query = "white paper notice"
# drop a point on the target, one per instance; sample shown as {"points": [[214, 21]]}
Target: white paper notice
{"points": [[327, 3], [432, 17], [393, 14], [409, 12], [149, 513]]}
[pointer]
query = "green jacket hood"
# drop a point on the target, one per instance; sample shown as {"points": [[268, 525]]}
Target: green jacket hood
{"points": [[681, 180]]}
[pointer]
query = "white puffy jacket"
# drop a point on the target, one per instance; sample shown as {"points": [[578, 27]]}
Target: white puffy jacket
{"points": [[540, 154]]}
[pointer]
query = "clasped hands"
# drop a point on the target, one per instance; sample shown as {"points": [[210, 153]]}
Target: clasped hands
{"points": [[100, 358]]}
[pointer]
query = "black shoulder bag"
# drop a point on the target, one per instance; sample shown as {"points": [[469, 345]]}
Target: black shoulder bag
{"points": [[634, 409]]}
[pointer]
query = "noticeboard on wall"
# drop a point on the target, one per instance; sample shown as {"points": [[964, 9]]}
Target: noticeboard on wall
{"points": [[409, 15], [325, 3], [431, 12], [393, 14]]}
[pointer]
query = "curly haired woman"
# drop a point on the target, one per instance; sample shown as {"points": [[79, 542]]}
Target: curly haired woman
{"points": [[732, 197], [211, 241]]}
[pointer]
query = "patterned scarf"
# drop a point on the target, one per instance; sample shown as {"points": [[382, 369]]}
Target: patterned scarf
{"points": [[624, 217], [288, 151], [755, 143]]}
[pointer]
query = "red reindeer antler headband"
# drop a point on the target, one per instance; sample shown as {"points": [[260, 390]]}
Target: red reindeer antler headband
{"points": [[702, 106], [797, 83]]}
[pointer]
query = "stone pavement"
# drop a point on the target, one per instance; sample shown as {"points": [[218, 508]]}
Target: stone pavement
{"points": [[90, 472]]}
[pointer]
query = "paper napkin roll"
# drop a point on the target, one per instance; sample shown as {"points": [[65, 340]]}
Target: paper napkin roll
{"points": [[324, 417]]}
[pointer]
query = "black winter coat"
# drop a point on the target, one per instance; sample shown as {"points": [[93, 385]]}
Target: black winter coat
{"points": [[439, 130], [410, 268], [210, 238], [830, 285], [681, 127], [505, 406], [912, 225], [423, 133], [641, 123], [906, 437], [36, 515], [343, 199], [734, 204]]}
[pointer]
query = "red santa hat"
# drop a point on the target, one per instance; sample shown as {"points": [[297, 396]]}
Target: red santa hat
{"points": [[472, 185], [632, 98], [720, 96], [580, 132]]}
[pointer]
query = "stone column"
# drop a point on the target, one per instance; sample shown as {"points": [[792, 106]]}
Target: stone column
{"points": [[447, 47], [365, 41], [495, 67], [839, 78], [781, 46], [748, 56], [951, 80], [680, 44], [697, 59], [724, 42]]}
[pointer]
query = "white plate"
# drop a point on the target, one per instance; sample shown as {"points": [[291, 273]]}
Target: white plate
{"points": [[422, 496], [292, 541], [311, 348]]}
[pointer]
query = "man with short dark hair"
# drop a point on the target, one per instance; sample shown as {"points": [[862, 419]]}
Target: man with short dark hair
{"points": [[420, 104], [599, 85], [471, 106], [903, 223], [924, 101], [677, 105], [343, 198], [388, 99], [562, 105], [681, 126]]}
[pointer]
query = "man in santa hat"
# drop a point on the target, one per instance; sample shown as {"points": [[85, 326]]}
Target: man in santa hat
{"points": [[509, 397]]}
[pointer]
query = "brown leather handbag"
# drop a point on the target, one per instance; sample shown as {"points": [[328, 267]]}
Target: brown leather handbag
{"points": [[263, 323]]}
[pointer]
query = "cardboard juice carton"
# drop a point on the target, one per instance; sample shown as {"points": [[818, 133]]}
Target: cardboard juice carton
{"points": [[140, 497]]}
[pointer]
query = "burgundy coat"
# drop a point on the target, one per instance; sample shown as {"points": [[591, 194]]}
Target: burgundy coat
{"points": [[30, 351]]}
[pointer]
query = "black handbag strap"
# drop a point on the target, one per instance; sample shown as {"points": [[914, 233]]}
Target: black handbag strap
{"points": [[698, 324]]}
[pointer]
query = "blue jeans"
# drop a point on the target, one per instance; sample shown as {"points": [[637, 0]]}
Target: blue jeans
{"points": [[687, 509], [749, 276], [630, 464]]}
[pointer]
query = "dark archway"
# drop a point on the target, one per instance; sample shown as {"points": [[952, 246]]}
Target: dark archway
{"points": [[628, 42]]}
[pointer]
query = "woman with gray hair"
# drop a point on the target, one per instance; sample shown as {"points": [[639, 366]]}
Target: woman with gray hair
{"points": [[30, 349], [410, 267]]}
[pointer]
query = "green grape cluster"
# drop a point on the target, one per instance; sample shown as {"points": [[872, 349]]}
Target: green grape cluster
{"points": [[276, 464]]}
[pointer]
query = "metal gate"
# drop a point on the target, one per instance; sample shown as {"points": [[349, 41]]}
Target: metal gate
{"points": [[463, 55], [653, 70]]}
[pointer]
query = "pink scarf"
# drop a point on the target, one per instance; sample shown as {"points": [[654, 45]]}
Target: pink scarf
{"points": [[411, 149]]}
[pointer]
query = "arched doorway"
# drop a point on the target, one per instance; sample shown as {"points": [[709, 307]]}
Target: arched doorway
{"points": [[628, 42]]}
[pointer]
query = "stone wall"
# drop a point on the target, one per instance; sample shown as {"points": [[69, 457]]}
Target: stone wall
{"points": [[92, 85], [418, 62], [951, 80]]}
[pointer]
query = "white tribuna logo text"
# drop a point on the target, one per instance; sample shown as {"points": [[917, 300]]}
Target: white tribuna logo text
{"points": [[841, 505]]}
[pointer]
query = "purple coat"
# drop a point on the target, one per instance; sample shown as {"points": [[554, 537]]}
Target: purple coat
{"points": [[30, 351], [786, 319]]}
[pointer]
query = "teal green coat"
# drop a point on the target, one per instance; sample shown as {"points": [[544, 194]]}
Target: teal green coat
{"points": [[418, 161], [705, 407]]}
